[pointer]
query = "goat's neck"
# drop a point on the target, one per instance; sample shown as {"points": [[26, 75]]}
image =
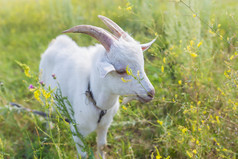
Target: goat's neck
{"points": [[102, 95]]}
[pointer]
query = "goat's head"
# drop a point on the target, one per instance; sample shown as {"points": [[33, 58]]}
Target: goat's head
{"points": [[122, 52]]}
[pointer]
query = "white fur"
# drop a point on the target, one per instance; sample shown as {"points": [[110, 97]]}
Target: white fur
{"points": [[75, 66]]}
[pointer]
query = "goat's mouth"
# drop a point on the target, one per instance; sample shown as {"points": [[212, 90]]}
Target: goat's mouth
{"points": [[144, 100]]}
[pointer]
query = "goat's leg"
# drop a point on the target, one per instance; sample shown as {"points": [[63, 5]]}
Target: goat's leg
{"points": [[78, 142], [101, 140], [79, 149]]}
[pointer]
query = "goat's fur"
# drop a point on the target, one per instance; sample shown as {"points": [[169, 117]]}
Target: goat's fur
{"points": [[75, 67]]}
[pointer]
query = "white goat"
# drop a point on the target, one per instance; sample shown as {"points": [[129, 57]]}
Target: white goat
{"points": [[96, 70]]}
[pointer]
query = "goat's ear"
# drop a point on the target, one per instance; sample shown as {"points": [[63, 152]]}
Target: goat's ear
{"points": [[104, 68], [146, 46]]}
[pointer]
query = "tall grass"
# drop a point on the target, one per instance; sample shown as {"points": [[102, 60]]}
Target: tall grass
{"points": [[192, 65]]}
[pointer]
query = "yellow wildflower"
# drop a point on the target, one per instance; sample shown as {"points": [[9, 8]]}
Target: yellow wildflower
{"points": [[199, 44], [210, 31], [138, 73], [152, 155], [164, 60], [208, 127], [199, 102], [162, 68], [217, 119], [195, 151], [158, 156], [128, 70], [160, 122], [189, 154], [197, 142], [224, 149], [156, 34], [45, 94], [216, 141], [184, 130], [193, 55], [188, 48], [1, 143], [180, 82], [211, 117], [129, 8], [26, 68], [225, 73], [123, 107], [219, 25], [124, 80], [185, 111], [234, 108], [27, 71], [37, 95], [191, 43], [194, 15], [221, 37], [171, 48]]}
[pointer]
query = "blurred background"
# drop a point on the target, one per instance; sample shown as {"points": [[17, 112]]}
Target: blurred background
{"points": [[192, 65]]}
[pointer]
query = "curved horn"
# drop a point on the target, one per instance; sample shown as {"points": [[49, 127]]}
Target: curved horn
{"points": [[104, 37], [116, 30]]}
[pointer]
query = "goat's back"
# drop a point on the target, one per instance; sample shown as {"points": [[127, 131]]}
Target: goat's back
{"points": [[70, 63]]}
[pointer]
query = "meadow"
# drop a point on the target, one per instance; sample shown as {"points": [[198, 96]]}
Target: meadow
{"points": [[193, 66]]}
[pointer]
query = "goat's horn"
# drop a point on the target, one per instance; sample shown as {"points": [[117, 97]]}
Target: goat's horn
{"points": [[116, 30], [104, 37]]}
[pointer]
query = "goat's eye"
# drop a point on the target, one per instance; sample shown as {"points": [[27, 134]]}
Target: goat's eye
{"points": [[121, 72]]}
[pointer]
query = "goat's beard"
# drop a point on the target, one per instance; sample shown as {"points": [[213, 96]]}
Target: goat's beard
{"points": [[134, 97], [130, 98]]}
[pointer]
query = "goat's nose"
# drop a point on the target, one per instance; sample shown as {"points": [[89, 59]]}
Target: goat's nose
{"points": [[151, 93]]}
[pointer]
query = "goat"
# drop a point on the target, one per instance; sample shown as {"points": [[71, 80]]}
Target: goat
{"points": [[95, 72]]}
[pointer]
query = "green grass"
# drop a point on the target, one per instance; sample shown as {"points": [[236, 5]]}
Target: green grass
{"points": [[195, 110]]}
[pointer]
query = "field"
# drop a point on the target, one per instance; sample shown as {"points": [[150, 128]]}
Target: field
{"points": [[193, 66]]}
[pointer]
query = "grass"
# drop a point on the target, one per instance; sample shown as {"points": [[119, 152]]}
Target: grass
{"points": [[192, 65]]}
